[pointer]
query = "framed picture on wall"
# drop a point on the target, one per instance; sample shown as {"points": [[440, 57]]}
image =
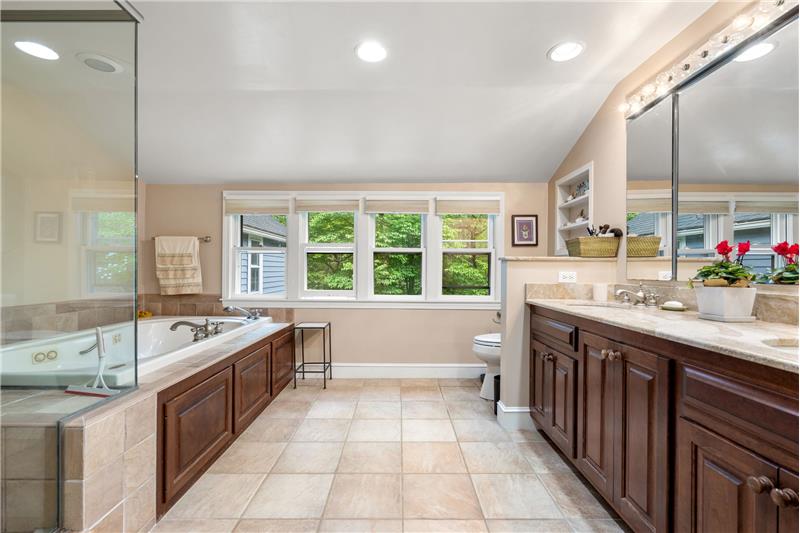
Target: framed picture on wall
{"points": [[47, 227], [526, 230]]}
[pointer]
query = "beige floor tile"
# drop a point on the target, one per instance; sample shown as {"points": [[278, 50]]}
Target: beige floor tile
{"points": [[342, 409], [283, 525], [380, 393], [542, 457], [528, 526], [444, 526], [572, 496], [381, 382], [365, 496], [471, 410], [377, 410], [525, 435], [344, 383], [439, 496], [374, 431], [428, 431], [248, 458], [494, 458], [286, 410], [300, 394], [309, 458], [361, 526], [476, 430], [460, 382], [432, 458], [458, 394], [421, 393], [217, 496], [189, 525], [322, 430], [419, 382], [290, 496], [265, 429], [596, 525], [339, 394], [430, 410], [370, 458], [517, 496]]}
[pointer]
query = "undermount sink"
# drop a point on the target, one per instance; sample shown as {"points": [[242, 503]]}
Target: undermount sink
{"points": [[786, 343]]}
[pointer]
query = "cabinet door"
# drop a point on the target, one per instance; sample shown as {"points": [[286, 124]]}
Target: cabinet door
{"points": [[198, 424], [282, 361], [251, 386], [563, 372], [595, 447], [712, 492], [786, 500], [641, 459], [539, 385]]}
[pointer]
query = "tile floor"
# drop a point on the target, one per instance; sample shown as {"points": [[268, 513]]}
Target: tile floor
{"points": [[386, 456]]}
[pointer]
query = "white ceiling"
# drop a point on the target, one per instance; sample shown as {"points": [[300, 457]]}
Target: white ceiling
{"points": [[273, 92]]}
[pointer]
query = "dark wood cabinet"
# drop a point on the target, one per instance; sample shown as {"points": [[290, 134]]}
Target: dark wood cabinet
{"points": [[282, 360], [251, 386], [198, 423], [673, 437], [553, 375]]}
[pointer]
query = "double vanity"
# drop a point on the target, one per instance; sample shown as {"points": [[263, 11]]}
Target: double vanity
{"points": [[679, 424]]}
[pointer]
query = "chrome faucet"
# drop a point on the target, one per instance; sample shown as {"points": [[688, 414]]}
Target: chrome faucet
{"points": [[201, 331], [643, 296], [248, 314]]}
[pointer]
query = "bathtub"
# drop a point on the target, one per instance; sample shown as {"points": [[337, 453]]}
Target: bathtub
{"points": [[57, 362]]}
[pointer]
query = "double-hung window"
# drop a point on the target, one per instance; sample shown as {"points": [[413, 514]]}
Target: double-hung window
{"points": [[328, 231]]}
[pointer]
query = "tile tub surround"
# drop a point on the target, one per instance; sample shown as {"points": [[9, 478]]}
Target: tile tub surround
{"points": [[199, 305], [109, 465], [739, 340], [426, 479], [18, 321]]}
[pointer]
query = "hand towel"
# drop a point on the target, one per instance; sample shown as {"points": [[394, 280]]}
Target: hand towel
{"points": [[178, 265]]}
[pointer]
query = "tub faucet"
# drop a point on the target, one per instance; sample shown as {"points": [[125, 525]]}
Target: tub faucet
{"points": [[200, 330], [248, 314]]}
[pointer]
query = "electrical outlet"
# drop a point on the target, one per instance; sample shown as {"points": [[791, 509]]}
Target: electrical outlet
{"points": [[567, 277], [665, 275]]}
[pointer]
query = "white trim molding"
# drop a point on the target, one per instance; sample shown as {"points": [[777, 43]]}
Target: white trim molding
{"points": [[514, 418], [404, 370]]}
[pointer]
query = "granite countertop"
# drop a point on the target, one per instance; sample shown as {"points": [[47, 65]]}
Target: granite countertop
{"points": [[740, 340]]}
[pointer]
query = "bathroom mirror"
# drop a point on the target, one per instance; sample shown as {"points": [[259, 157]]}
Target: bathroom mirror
{"points": [[738, 155], [649, 201]]}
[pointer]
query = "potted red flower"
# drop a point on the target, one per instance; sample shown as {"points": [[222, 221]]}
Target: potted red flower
{"points": [[725, 294], [788, 274]]}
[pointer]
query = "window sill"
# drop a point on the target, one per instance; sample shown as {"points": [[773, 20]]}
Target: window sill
{"points": [[335, 303]]}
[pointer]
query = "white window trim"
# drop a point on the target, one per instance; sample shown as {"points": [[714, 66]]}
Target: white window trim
{"points": [[362, 297], [376, 250], [310, 248]]}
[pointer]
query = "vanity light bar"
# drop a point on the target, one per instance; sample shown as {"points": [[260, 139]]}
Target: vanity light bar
{"points": [[742, 27]]}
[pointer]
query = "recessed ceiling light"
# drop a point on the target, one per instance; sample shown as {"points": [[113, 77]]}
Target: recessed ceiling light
{"points": [[565, 51], [99, 63], [371, 52], [754, 52], [36, 50]]}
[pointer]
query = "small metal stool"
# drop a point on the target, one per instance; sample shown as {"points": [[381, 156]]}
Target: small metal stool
{"points": [[327, 367]]}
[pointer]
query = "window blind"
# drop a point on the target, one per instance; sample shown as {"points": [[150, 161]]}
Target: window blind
{"points": [[326, 205], [257, 206], [467, 207], [766, 207], [703, 208], [396, 206], [649, 205]]}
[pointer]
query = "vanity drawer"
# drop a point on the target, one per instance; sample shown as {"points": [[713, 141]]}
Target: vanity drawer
{"points": [[762, 413], [566, 335]]}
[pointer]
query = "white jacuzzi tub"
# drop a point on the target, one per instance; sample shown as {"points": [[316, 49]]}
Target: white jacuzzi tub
{"points": [[57, 361]]}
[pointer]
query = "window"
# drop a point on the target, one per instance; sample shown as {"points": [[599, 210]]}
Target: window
{"points": [[397, 256], [466, 255], [109, 263], [330, 252], [385, 249]]}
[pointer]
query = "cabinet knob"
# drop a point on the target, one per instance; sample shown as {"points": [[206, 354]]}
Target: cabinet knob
{"points": [[760, 484], [783, 498], [612, 355], [604, 353], [547, 357]]}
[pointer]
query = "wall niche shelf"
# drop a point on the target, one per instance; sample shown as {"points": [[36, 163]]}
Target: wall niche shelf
{"points": [[569, 210]]}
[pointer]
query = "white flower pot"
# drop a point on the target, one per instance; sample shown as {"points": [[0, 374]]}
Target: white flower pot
{"points": [[726, 304]]}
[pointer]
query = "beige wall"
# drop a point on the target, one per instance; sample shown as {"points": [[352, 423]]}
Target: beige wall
{"points": [[604, 141], [197, 210]]}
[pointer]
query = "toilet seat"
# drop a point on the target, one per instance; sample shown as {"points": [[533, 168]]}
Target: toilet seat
{"points": [[490, 340]]}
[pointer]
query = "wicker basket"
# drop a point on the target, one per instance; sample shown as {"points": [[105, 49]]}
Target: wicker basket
{"points": [[644, 246], [593, 246]]}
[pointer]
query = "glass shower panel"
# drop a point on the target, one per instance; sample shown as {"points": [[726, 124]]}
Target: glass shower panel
{"points": [[68, 255]]}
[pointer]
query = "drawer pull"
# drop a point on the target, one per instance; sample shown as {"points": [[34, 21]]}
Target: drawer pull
{"points": [[760, 484], [614, 355], [547, 357], [604, 353], [784, 498]]}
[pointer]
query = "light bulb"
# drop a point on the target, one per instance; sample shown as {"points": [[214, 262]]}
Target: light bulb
{"points": [[623, 107], [742, 22], [648, 89], [371, 52]]}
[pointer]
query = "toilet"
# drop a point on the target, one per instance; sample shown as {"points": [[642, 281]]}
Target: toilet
{"points": [[486, 347]]}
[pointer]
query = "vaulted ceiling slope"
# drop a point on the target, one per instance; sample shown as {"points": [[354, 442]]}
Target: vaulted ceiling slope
{"points": [[273, 92]]}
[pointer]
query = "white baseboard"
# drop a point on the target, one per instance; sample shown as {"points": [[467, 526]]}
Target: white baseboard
{"points": [[403, 370], [513, 418]]}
